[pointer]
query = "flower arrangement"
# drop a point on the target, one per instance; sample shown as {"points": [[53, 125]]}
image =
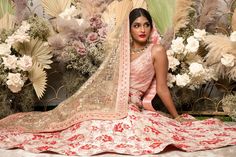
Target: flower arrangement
{"points": [[23, 58], [78, 45], [186, 66], [202, 54]]}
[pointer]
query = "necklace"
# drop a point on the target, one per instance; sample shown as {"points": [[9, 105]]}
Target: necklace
{"points": [[138, 50]]}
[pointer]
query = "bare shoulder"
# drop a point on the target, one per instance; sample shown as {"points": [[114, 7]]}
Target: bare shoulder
{"points": [[158, 50]]}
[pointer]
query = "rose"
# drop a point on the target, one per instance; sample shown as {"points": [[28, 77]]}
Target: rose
{"points": [[20, 35], [5, 49], [14, 82], [10, 61], [25, 63], [227, 60], [193, 44], [199, 34], [177, 45], [173, 62], [170, 80], [196, 69], [80, 47], [92, 37], [182, 80]]}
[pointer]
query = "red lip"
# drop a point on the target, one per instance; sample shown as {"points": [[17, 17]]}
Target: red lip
{"points": [[142, 35]]}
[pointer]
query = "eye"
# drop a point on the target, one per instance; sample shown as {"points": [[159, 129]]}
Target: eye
{"points": [[147, 25], [136, 25]]}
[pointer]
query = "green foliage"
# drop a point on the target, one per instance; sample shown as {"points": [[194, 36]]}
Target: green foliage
{"points": [[4, 34], [39, 28], [20, 102], [162, 12]]}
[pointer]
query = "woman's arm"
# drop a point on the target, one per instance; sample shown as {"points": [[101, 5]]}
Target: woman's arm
{"points": [[160, 62]]}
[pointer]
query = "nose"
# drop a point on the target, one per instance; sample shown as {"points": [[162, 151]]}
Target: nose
{"points": [[142, 29]]}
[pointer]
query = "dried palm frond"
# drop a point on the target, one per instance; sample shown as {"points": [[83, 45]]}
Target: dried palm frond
{"points": [[7, 22], [233, 21], [162, 13], [182, 9], [88, 8], [6, 6], [139, 4], [38, 77], [38, 50], [117, 11], [55, 7]]}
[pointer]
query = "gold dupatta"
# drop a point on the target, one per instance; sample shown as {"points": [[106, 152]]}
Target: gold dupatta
{"points": [[103, 96]]}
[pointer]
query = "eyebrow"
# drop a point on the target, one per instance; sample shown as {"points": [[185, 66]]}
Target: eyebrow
{"points": [[140, 23]]}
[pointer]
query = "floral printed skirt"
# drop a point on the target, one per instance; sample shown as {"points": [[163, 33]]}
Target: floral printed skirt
{"points": [[141, 132]]}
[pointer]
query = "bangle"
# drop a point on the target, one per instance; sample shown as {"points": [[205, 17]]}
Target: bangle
{"points": [[178, 117]]}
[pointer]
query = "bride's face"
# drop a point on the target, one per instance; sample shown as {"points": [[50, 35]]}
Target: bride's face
{"points": [[140, 30]]}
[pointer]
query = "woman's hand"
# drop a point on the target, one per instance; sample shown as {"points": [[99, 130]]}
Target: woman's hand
{"points": [[180, 118]]}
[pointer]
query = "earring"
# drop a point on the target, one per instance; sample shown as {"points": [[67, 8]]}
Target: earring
{"points": [[130, 39]]}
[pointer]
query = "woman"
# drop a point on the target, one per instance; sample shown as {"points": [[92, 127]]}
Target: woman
{"points": [[140, 131], [140, 29]]}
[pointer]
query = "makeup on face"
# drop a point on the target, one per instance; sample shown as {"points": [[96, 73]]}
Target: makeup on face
{"points": [[140, 29]]}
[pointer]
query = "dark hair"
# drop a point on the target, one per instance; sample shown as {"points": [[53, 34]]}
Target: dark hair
{"points": [[137, 12]]}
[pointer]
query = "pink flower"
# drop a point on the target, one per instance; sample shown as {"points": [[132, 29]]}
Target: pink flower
{"points": [[96, 22], [92, 37], [80, 47]]}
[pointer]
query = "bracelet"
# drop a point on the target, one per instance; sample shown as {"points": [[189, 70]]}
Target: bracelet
{"points": [[178, 117]]}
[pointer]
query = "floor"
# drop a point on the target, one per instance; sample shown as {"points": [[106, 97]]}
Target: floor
{"points": [[229, 151]]}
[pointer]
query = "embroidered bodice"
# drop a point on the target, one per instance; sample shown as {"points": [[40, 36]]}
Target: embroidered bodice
{"points": [[142, 71]]}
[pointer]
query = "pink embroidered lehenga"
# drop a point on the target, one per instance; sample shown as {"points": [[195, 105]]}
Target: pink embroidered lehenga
{"points": [[115, 122]]}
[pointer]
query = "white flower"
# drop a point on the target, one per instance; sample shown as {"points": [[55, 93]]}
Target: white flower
{"points": [[170, 80], [25, 63], [170, 52], [193, 44], [177, 45], [25, 26], [173, 62], [196, 69], [10, 61], [233, 36], [5, 49], [228, 60], [199, 34], [69, 13], [182, 80], [20, 35], [14, 82]]}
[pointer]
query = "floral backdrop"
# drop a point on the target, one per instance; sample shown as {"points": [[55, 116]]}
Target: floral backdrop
{"points": [[69, 37]]}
